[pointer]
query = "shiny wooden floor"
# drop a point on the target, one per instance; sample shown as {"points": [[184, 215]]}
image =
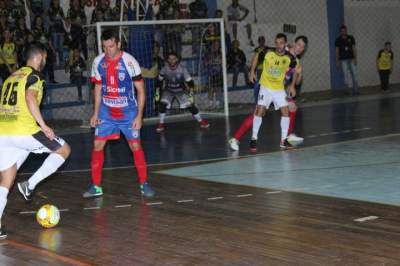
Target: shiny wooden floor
{"points": [[195, 222]]}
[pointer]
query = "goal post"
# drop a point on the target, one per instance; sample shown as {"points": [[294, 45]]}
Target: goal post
{"points": [[209, 74]]}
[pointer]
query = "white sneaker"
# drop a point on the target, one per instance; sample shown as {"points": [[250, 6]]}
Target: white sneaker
{"points": [[293, 138], [234, 144]]}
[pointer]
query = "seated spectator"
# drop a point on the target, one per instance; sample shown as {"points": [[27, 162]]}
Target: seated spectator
{"points": [[20, 36], [3, 9], [210, 36], [77, 17], [56, 17], [76, 66], [103, 7], [172, 33], [8, 55], [15, 10], [36, 7], [237, 63], [220, 14]]}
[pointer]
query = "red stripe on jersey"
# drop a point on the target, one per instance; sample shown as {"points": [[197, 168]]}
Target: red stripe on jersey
{"points": [[112, 82], [94, 80]]}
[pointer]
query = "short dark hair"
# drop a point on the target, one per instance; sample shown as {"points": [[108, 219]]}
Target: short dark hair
{"points": [[173, 53], [303, 38], [343, 27], [281, 36], [110, 34], [33, 49], [388, 43]]}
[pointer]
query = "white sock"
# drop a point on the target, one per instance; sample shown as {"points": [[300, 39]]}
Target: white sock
{"points": [[257, 120], [284, 127], [197, 117], [49, 166], [162, 117], [3, 200]]}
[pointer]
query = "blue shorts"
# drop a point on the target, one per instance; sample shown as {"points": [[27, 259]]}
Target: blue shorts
{"points": [[110, 130]]}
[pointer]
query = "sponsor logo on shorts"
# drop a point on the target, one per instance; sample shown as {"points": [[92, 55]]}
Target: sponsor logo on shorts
{"points": [[135, 134]]}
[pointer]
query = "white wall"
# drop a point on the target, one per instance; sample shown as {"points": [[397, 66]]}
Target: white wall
{"points": [[372, 23], [310, 17]]}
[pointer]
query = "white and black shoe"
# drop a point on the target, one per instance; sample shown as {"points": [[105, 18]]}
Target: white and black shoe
{"points": [[3, 234], [23, 187]]}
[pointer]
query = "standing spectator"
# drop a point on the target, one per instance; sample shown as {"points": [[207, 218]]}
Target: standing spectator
{"points": [[104, 8], [40, 34], [237, 63], [172, 40], [56, 17], [214, 70], [76, 66], [3, 9], [198, 10], [76, 15], [36, 7], [346, 58], [384, 64], [220, 14], [237, 13], [8, 55], [210, 36]]}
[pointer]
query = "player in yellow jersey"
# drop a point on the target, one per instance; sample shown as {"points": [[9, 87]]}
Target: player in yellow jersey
{"points": [[384, 64], [23, 130], [275, 66]]}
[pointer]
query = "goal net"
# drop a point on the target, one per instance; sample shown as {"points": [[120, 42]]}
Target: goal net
{"points": [[200, 47]]}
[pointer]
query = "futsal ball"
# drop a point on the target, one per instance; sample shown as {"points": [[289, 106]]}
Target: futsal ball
{"points": [[48, 216]]}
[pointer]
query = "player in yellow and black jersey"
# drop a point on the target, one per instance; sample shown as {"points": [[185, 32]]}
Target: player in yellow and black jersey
{"points": [[384, 64], [23, 130], [276, 64]]}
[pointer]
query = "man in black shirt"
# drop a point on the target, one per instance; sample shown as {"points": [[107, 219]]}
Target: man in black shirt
{"points": [[346, 58], [237, 63]]}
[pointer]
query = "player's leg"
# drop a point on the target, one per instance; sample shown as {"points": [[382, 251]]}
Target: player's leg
{"points": [[279, 100], [249, 34], [264, 100], [58, 151], [292, 137], [187, 102], [165, 103], [6, 182]]}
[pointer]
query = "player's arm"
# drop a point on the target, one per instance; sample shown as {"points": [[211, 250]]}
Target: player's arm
{"points": [[299, 72], [254, 62], [292, 85], [33, 86], [96, 105], [141, 98]]}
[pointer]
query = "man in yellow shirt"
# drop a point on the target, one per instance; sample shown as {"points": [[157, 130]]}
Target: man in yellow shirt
{"points": [[23, 130], [277, 63], [384, 64]]}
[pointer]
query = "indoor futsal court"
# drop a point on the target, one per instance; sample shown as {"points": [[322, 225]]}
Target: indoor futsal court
{"points": [[332, 201]]}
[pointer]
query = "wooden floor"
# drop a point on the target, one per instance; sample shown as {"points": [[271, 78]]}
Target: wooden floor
{"points": [[195, 222]]}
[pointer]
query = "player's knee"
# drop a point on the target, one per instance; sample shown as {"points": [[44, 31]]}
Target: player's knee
{"points": [[285, 111], [135, 146], [64, 151], [162, 107], [193, 109], [292, 107], [260, 111], [98, 145]]}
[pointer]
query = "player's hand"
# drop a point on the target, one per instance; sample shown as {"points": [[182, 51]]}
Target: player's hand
{"points": [[48, 132], [292, 92], [94, 121], [252, 77], [137, 123]]}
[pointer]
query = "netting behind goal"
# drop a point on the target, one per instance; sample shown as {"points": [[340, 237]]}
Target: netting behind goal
{"points": [[200, 47]]}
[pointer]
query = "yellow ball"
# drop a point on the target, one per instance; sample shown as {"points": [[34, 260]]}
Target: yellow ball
{"points": [[48, 216]]}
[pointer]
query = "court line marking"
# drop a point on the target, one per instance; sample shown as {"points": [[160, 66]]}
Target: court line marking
{"points": [[273, 192], [27, 212], [184, 201], [64, 210], [244, 195], [154, 203], [91, 208], [123, 206], [183, 163], [346, 131], [215, 198], [365, 219], [46, 253]]}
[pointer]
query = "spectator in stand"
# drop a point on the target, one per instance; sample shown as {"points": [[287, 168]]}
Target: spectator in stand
{"points": [[198, 10], [36, 7], [384, 64], [56, 17], [77, 17], [210, 36], [237, 63], [40, 34], [220, 14], [3, 25], [237, 13], [3, 9], [8, 55], [104, 8], [15, 10], [172, 33], [213, 64], [76, 66], [20, 36]]}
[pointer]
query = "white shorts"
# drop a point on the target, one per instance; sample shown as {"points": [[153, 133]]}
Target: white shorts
{"points": [[167, 97], [267, 96], [15, 149]]}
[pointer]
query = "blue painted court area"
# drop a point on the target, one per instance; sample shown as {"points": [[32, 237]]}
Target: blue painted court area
{"points": [[367, 170]]}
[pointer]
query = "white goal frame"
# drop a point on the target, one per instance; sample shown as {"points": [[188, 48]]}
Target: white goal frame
{"points": [[220, 21]]}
